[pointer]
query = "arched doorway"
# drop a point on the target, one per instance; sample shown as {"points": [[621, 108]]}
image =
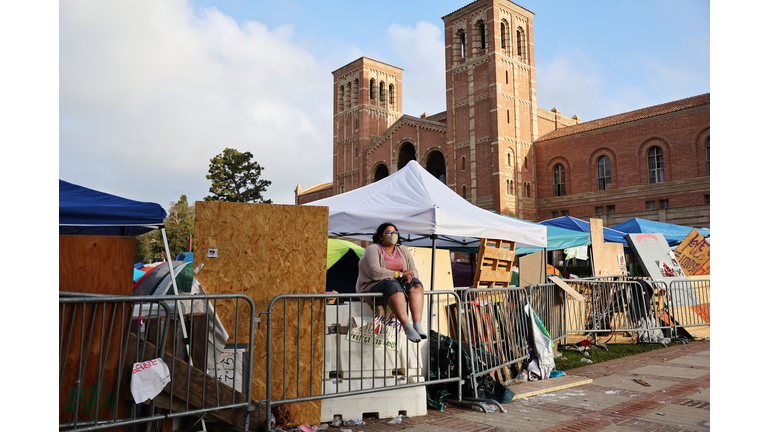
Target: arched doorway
{"points": [[407, 154], [436, 165], [381, 172]]}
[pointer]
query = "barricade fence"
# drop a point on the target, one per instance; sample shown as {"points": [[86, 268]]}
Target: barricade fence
{"points": [[105, 341], [613, 309], [550, 301], [331, 345], [690, 305]]}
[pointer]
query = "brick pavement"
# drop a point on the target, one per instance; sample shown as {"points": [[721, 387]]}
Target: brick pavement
{"points": [[678, 400]]}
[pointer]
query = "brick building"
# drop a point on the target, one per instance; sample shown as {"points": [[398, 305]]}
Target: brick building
{"points": [[496, 148]]}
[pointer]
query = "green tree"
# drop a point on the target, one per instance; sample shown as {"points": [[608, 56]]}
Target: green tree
{"points": [[235, 178], [179, 226]]}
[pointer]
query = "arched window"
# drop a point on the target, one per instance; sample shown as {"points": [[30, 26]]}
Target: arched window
{"points": [[481, 34], [462, 41], [503, 33], [382, 94], [407, 154], [525, 163], [436, 165], [603, 173], [341, 188], [348, 96], [381, 172], [463, 163], [521, 51], [392, 94], [464, 191], [372, 90], [510, 187], [506, 77], [527, 189], [708, 172], [509, 159], [559, 180], [507, 116], [655, 165]]}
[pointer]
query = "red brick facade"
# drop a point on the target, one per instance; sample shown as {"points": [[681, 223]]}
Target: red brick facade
{"points": [[494, 146]]}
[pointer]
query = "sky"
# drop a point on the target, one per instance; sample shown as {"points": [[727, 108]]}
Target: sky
{"points": [[150, 91]]}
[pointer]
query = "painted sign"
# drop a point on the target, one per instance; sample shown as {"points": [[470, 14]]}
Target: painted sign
{"points": [[693, 254]]}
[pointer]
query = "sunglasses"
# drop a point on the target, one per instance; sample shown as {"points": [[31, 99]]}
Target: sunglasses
{"points": [[388, 232]]}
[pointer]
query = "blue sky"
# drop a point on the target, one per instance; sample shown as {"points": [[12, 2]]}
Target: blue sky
{"points": [[150, 91]]}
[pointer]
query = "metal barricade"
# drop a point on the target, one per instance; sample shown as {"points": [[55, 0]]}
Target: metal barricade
{"points": [[689, 303], [104, 340], [497, 333], [549, 302], [612, 307], [330, 345]]}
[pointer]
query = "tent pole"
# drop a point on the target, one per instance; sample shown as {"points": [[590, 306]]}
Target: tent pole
{"points": [[179, 305], [434, 252]]}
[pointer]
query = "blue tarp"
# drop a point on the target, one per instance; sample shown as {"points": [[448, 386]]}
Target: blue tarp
{"points": [[571, 223], [84, 211], [673, 233], [185, 256], [557, 239]]}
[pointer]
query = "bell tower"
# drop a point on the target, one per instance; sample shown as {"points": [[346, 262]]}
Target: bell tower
{"points": [[367, 100], [491, 104]]}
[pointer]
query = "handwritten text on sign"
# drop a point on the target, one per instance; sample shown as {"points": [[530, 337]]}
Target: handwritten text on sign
{"points": [[693, 254]]}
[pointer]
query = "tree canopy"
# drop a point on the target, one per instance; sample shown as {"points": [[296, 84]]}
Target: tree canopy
{"points": [[179, 227], [235, 178]]}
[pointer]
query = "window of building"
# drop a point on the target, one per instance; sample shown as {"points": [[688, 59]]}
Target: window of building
{"points": [[603, 173], [650, 205], [503, 34], [341, 98], [382, 94], [527, 190], [664, 203], [559, 180], [481, 34], [341, 188], [708, 172], [506, 76], [372, 90], [521, 51], [554, 214], [462, 44], [355, 92], [525, 163], [611, 209], [463, 163], [392, 94], [507, 116], [464, 191], [655, 165], [599, 210], [509, 159], [706, 199]]}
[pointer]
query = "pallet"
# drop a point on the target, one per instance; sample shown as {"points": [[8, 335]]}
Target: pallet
{"points": [[550, 385]]}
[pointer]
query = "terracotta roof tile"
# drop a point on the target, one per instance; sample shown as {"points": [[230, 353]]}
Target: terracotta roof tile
{"points": [[627, 117]]}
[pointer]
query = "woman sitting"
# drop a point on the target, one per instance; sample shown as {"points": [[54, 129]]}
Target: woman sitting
{"points": [[387, 267]]}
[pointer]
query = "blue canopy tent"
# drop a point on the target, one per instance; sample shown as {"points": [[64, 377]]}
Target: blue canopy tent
{"points": [[570, 223], [84, 211], [673, 233], [557, 239]]}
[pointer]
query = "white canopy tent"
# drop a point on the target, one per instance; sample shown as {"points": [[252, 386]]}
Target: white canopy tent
{"points": [[426, 213]]}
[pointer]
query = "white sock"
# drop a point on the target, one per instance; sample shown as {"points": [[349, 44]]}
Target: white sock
{"points": [[410, 333]]}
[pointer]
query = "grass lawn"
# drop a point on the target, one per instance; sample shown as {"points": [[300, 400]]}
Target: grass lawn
{"points": [[571, 359]]}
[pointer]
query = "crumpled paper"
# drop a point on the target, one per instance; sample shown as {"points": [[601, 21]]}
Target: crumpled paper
{"points": [[148, 379]]}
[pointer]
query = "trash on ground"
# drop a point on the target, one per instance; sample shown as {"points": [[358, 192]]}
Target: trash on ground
{"points": [[641, 382]]}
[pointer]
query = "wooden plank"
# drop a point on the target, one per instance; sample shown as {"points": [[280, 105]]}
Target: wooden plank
{"points": [[571, 292], [605, 256], [198, 381], [532, 269], [697, 332], [693, 254], [99, 265], [265, 250], [533, 388]]}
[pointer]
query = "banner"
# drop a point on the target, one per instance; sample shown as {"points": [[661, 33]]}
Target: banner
{"points": [[381, 332]]}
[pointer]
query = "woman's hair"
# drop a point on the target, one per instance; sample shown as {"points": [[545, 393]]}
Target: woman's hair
{"points": [[380, 232]]}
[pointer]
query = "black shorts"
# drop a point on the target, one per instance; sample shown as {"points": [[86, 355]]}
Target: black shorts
{"points": [[389, 287]]}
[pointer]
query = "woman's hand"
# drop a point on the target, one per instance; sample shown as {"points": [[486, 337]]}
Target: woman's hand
{"points": [[408, 275]]}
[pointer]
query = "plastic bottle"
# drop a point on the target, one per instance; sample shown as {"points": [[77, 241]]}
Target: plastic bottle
{"points": [[586, 360]]}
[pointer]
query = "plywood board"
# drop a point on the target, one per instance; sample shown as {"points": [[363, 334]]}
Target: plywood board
{"points": [[607, 258], [443, 281], [693, 254], [571, 292], [532, 269], [550, 385], [99, 265], [264, 250]]}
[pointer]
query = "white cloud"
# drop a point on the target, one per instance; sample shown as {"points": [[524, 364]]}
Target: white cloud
{"points": [[150, 91], [420, 51]]}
